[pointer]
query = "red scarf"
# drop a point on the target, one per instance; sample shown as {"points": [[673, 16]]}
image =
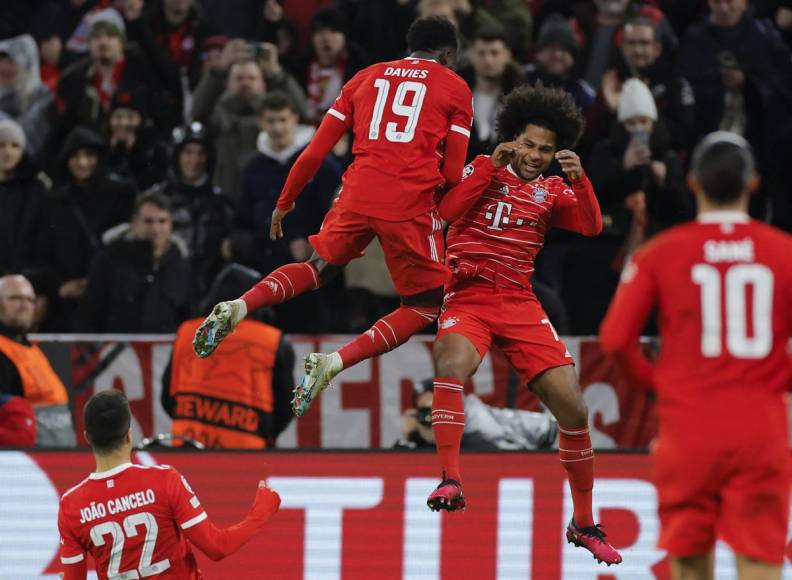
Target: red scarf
{"points": [[106, 89]]}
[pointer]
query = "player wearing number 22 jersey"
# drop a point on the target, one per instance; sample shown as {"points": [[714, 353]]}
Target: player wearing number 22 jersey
{"points": [[411, 122], [722, 286], [134, 520]]}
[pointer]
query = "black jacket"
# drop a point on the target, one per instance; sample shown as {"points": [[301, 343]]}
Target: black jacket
{"points": [[666, 204], [22, 198], [129, 293]]}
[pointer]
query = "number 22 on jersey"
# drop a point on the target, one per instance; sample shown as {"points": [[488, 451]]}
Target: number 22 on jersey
{"points": [[117, 533], [407, 102], [729, 294]]}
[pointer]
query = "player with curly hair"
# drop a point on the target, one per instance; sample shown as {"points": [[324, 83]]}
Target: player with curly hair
{"points": [[499, 215]]}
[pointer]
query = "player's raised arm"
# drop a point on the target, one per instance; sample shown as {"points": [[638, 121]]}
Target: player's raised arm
{"points": [[475, 177], [621, 329], [219, 543], [581, 212]]}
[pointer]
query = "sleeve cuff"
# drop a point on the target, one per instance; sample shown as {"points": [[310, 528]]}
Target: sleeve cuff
{"points": [[72, 559]]}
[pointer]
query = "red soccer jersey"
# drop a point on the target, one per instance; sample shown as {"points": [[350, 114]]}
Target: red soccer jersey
{"points": [[130, 519], [400, 113], [498, 238], [723, 289]]}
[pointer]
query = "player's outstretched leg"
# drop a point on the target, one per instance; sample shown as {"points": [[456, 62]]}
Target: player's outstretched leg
{"points": [[558, 389], [386, 334], [281, 285], [455, 360]]}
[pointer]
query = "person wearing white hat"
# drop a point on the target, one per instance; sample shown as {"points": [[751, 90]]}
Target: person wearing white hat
{"points": [[21, 199]]}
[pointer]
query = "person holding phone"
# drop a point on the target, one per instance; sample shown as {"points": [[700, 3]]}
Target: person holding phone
{"points": [[640, 186]]}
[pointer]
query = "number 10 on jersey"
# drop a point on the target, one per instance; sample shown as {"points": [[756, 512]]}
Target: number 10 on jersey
{"points": [[400, 107]]}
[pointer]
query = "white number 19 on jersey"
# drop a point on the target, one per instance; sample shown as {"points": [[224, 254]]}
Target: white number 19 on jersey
{"points": [[399, 107]]}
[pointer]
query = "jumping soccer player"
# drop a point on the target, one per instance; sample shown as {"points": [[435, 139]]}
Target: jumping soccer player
{"points": [[499, 215], [135, 520], [411, 121], [723, 289]]}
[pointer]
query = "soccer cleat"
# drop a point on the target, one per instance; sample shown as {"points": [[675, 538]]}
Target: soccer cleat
{"points": [[447, 496], [222, 321], [319, 371], [593, 539]]}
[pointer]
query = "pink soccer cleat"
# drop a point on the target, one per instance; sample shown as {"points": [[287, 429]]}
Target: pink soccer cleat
{"points": [[593, 539], [447, 496]]}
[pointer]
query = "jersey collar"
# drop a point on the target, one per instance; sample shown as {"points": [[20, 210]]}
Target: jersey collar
{"points": [[110, 472], [419, 58], [721, 216]]}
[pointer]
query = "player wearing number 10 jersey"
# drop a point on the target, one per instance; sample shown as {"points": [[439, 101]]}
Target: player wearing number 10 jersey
{"points": [[411, 122], [723, 289], [135, 520]]}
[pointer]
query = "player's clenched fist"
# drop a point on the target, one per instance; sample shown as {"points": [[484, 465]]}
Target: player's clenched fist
{"points": [[570, 164], [504, 153], [267, 501]]}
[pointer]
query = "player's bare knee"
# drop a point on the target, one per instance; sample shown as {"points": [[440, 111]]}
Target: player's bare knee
{"points": [[326, 270], [452, 363]]}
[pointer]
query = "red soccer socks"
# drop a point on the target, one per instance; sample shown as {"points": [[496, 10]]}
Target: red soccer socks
{"points": [[281, 285], [577, 457], [448, 423], [387, 333]]}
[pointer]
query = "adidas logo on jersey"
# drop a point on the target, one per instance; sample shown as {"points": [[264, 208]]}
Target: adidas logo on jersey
{"points": [[504, 190]]}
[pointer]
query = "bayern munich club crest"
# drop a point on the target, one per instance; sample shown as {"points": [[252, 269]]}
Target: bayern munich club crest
{"points": [[448, 322], [467, 171], [539, 194]]}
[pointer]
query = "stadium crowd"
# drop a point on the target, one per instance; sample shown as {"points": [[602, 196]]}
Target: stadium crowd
{"points": [[143, 143]]}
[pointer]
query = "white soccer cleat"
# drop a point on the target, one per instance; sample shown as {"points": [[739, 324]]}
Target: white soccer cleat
{"points": [[219, 324], [319, 371]]}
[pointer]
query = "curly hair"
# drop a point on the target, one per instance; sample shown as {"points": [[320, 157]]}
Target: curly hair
{"points": [[547, 107], [431, 33]]}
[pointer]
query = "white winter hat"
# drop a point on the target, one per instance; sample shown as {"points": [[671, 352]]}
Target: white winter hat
{"points": [[636, 101], [11, 132]]}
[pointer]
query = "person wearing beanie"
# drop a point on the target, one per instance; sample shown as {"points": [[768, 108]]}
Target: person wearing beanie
{"points": [[85, 202], [87, 87], [330, 62], [556, 54], [641, 189], [23, 97], [22, 193], [202, 214]]}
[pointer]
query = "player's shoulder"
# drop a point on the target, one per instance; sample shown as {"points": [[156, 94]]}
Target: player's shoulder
{"points": [[74, 491], [772, 234], [554, 184]]}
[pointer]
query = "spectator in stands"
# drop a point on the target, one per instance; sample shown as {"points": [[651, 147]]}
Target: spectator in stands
{"points": [[202, 214], [135, 155], [141, 282], [85, 202], [487, 428], [179, 30], [281, 141], [741, 72], [274, 27], [491, 75], [45, 285], [86, 88], [25, 371], [331, 61], [227, 100], [555, 61], [600, 23], [17, 422], [23, 97], [252, 378], [22, 194], [641, 57], [640, 185]]}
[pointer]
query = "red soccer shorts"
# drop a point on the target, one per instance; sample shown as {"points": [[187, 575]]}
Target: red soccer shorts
{"points": [[513, 320], [738, 493], [414, 249]]}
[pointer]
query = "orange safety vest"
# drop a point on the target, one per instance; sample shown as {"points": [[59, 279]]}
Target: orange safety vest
{"points": [[225, 400], [40, 383]]}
